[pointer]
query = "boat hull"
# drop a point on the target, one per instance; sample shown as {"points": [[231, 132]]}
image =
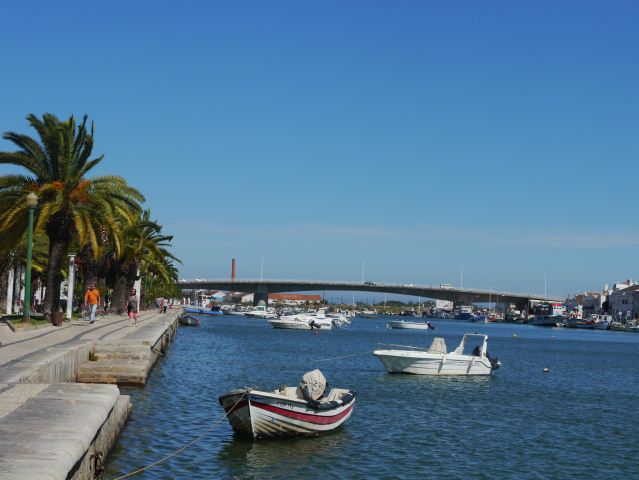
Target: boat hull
{"points": [[298, 325], [422, 363], [260, 315], [547, 320], [408, 325], [264, 414]]}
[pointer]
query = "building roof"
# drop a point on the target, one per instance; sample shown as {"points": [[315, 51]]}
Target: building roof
{"points": [[628, 290]]}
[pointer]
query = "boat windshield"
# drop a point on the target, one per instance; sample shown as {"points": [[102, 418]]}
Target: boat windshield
{"points": [[472, 344]]}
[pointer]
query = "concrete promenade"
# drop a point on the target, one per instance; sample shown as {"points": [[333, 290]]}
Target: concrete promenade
{"points": [[54, 428]]}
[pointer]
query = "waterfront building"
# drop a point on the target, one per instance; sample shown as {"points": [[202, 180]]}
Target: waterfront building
{"points": [[593, 303], [293, 298], [624, 303]]}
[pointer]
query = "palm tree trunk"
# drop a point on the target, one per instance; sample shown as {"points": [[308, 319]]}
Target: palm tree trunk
{"points": [[90, 267], [59, 237], [4, 278], [123, 283]]}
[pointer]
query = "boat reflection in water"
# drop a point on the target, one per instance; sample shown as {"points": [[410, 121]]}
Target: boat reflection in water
{"points": [[285, 457]]}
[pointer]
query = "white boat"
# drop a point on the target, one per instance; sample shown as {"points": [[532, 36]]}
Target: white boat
{"points": [[438, 361], [261, 312], [285, 411], [303, 321], [339, 320], [300, 322], [368, 314], [410, 325]]}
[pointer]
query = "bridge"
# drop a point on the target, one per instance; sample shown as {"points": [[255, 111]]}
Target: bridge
{"points": [[261, 289]]}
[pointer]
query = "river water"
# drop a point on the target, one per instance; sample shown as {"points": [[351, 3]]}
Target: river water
{"points": [[579, 420]]}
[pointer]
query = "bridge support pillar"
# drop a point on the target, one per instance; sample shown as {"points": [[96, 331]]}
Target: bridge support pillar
{"points": [[261, 296]]}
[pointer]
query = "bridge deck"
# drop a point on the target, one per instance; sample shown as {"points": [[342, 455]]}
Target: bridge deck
{"points": [[458, 295]]}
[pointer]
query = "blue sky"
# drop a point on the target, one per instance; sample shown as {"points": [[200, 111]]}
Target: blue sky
{"points": [[417, 135]]}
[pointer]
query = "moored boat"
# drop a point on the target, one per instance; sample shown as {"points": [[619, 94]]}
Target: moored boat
{"points": [[304, 410], [261, 311], [548, 314], [304, 321], [189, 321], [547, 320], [595, 322], [438, 361], [300, 322], [203, 311], [402, 324]]}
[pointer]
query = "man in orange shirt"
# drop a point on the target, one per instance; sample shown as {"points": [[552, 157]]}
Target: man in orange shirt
{"points": [[92, 298]]}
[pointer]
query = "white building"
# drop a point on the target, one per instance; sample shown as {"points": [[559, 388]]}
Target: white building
{"points": [[444, 305]]}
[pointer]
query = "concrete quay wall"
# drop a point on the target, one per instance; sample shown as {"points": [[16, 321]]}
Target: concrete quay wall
{"points": [[50, 431], [129, 361], [56, 364], [51, 428]]}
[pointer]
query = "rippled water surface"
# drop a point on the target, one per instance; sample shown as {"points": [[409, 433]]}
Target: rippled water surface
{"points": [[580, 420]]}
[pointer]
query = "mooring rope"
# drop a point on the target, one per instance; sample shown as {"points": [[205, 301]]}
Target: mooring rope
{"points": [[368, 352], [199, 437]]}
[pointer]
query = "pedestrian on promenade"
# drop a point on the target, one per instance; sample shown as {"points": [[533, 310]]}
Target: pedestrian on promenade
{"points": [[92, 300], [132, 308]]}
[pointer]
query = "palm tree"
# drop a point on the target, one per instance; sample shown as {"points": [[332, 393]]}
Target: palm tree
{"points": [[69, 201], [143, 245]]}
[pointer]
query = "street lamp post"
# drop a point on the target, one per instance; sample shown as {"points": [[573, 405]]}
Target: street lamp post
{"points": [[32, 201], [70, 286]]}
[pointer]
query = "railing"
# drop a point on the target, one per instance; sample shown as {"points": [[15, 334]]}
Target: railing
{"points": [[401, 346]]}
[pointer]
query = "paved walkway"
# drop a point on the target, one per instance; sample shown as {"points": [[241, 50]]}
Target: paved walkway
{"points": [[18, 345]]}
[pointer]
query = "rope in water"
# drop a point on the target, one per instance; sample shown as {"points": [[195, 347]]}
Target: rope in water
{"points": [[199, 437], [368, 352], [140, 470]]}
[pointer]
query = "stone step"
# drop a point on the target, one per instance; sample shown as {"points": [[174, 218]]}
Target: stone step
{"points": [[115, 351], [124, 372]]}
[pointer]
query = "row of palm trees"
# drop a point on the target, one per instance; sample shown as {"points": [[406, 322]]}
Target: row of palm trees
{"points": [[100, 218]]}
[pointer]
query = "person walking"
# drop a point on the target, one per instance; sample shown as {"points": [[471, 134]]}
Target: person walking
{"points": [[132, 308], [92, 300]]}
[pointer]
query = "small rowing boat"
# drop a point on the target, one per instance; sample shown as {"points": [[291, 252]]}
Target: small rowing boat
{"points": [[304, 410], [189, 321]]}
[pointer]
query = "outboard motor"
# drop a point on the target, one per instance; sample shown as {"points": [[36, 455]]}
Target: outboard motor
{"points": [[494, 361]]}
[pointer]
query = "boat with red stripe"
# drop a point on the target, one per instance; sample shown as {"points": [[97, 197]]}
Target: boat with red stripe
{"points": [[304, 410]]}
